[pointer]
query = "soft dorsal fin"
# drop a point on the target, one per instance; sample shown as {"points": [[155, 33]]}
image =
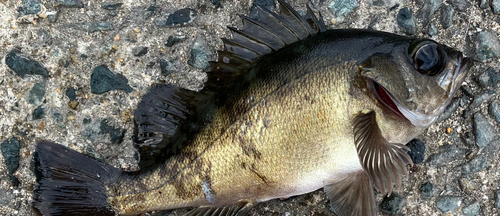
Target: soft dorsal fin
{"points": [[158, 117], [384, 162], [267, 33]]}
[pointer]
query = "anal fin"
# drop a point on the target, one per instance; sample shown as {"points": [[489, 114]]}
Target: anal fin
{"points": [[352, 195], [238, 209]]}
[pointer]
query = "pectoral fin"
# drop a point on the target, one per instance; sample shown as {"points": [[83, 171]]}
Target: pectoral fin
{"points": [[384, 162], [238, 209], [352, 196]]}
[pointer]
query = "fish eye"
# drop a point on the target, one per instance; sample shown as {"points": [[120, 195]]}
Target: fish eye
{"points": [[427, 57]]}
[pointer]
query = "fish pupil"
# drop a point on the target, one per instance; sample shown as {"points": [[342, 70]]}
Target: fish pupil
{"points": [[428, 59]]}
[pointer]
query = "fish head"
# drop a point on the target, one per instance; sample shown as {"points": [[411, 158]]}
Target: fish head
{"points": [[416, 80]]}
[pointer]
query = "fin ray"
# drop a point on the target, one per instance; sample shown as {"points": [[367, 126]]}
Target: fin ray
{"points": [[384, 162], [352, 196]]}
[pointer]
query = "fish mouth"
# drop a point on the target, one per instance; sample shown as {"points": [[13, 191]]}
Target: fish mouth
{"points": [[384, 97]]}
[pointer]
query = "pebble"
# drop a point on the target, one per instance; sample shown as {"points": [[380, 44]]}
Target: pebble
{"points": [[14, 181], [427, 9], [36, 94], [494, 110], [342, 8], [417, 153], [181, 17], [405, 20], [29, 7], [167, 66], [487, 45], [448, 203], [89, 151], [446, 16], [445, 155], [71, 93], [200, 54], [455, 103], [475, 164], [103, 80], [57, 116], [391, 205], [38, 113], [53, 17], [497, 199], [472, 209], [460, 5], [70, 3], [171, 41], [484, 131], [139, 51], [426, 190], [10, 153], [87, 120], [479, 99], [73, 104], [111, 5], [467, 185], [216, 3], [116, 134], [433, 31], [495, 6], [483, 4], [23, 66], [93, 27], [489, 78]]}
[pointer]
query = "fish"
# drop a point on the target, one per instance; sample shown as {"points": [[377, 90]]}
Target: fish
{"points": [[289, 107]]}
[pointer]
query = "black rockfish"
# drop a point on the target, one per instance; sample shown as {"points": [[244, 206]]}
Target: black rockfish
{"points": [[289, 108]]}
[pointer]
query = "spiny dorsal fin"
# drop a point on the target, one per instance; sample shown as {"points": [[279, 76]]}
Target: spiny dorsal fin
{"points": [[384, 162], [258, 37], [157, 119]]}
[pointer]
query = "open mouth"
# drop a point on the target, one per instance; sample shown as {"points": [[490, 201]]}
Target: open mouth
{"points": [[384, 97]]}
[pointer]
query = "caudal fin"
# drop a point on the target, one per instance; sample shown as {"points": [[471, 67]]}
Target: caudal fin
{"points": [[70, 183]]}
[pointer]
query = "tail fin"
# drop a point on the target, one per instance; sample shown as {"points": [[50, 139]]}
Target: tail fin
{"points": [[70, 183]]}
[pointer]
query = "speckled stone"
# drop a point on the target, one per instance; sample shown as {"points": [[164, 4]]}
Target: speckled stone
{"points": [[36, 94], [489, 78], [472, 209], [476, 164], [103, 80], [178, 18], [481, 98], [460, 5], [23, 66], [445, 155], [29, 7], [433, 31], [342, 8], [139, 51], [417, 150], [200, 54], [38, 113], [71, 93], [485, 132], [167, 66], [391, 205], [446, 18], [494, 110], [111, 5], [70, 3], [426, 190], [426, 9], [10, 153], [495, 6], [116, 134], [405, 21], [448, 203], [487, 45], [172, 40]]}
